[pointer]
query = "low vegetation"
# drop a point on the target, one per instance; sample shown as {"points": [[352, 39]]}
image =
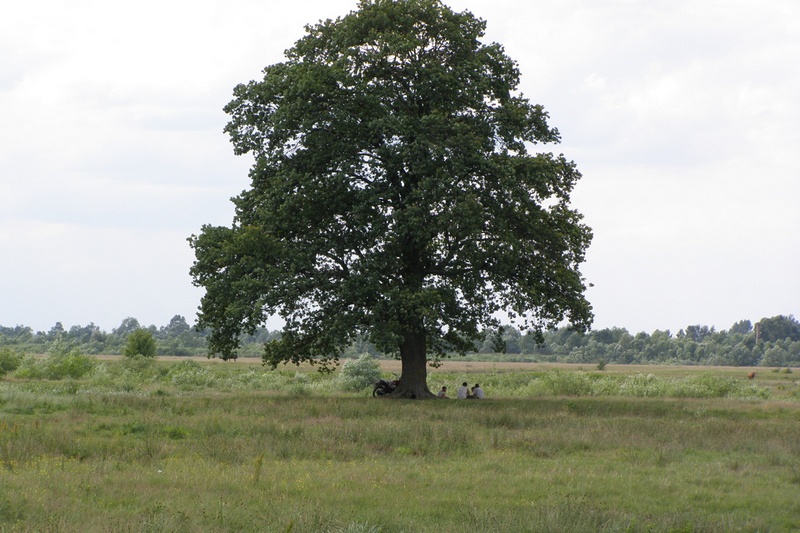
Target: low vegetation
{"points": [[138, 444]]}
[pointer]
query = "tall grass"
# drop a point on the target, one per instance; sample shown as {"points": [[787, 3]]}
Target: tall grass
{"points": [[146, 446], [578, 383]]}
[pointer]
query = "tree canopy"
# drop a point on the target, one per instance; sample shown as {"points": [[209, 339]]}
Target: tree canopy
{"points": [[140, 342], [393, 196]]}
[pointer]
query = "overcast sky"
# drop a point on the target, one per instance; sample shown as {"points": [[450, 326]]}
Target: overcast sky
{"points": [[683, 117]]}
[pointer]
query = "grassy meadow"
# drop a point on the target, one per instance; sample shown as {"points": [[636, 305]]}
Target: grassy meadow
{"points": [[195, 445]]}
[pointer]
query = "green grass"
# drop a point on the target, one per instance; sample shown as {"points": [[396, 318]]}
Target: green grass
{"points": [[209, 447]]}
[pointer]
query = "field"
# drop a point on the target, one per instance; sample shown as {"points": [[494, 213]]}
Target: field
{"points": [[200, 445]]}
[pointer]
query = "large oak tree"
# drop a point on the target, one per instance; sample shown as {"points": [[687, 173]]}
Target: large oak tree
{"points": [[394, 196]]}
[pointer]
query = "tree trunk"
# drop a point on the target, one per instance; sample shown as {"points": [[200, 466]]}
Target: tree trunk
{"points": [[414, 378]]}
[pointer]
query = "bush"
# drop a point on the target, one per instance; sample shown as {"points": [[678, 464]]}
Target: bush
{"points": [[65, 361], [62, 361], [140, 342], [713, 386], [142, 368], [358, 374], [30, 368], [9, 361], [191, 374], [74, 365]]}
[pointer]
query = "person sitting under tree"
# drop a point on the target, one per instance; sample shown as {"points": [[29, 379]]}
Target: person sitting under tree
{"points": [[462, 393], [443, 393]]}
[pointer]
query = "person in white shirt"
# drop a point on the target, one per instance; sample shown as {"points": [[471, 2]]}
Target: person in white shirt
{"points": [[477, 392], [442, 393], [462, 393]]}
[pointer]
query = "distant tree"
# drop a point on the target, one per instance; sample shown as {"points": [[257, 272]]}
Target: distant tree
{"points": [[743, 327], [393, 196], [775, 355], [528, 344], [127, 326], [140, 342], [82, 334], [56, 331], [697, 332], [97, 342], [15, 335], [177, 326], [511, 338], [779, 328], [744, 355], [361, 346], [603, 336]]}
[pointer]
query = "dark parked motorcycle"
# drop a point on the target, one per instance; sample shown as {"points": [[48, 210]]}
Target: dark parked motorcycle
{"points": [[384, 386]]}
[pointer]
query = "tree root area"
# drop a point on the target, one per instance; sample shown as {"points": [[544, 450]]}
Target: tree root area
{"points": [[411, 393]]}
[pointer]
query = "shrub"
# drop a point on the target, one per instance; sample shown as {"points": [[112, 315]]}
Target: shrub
{"points": [[191, 374], [30, 368], [9, 360], [142, 369], [140, 342], [75, 365], [705, 386], [62, 361], [358, 374], [644, 385]]}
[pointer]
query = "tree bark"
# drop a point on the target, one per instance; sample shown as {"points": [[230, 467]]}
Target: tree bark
{"points": [[414, 377]]}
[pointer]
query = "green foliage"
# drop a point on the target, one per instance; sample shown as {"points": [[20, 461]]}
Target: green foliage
{"points": [[140, 342], [116, 460], [30, 368], [62, 361], [733, 347], [176, 338], [191, 374], [710, 385], [139, 364], [567, 383], [779, 328], [393, 196], [9, 360], [358, 374], [570, 383]]}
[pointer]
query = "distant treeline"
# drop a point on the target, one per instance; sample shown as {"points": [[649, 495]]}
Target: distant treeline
{"points": [[771, 342], [176, 338]]}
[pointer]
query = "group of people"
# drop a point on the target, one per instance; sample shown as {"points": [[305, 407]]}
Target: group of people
{"points": [[464, 392]]}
